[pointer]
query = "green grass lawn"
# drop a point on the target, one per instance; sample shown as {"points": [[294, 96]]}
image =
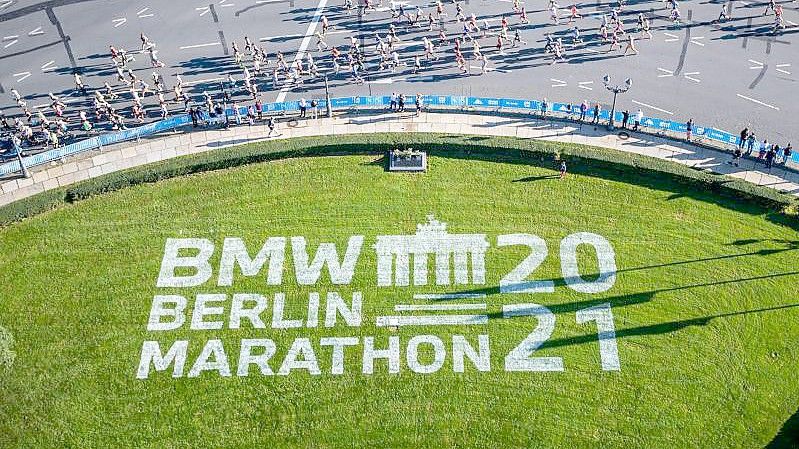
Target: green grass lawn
{"points": [[704, 305]]}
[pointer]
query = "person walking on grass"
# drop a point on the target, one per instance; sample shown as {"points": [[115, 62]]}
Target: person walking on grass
{"points": [[562, 169]]}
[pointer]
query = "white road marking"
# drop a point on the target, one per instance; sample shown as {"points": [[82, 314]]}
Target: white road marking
{"points": [[694, 40], [288, 36], [6, 4], [8, 38], [304, 44], [36, 32], [759, 102], [205, 10], [209, 80], [210, 44], [490, 69], [49, 66], [784, 71], [671, 37], [119, 22], [781, 70], [792, 23], [666, 73], [429, 296], [782, 65], [142, 11], [688, 76], [584, 85], [758, 65], [386, 81], [224, 3], [144, 16], [21, 76], [558, 83], [440, 320], [10, 43], [437, 307], [653, 107]]}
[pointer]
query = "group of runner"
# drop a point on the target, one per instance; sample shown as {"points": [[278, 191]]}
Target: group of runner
{"points": [[413, 39]]}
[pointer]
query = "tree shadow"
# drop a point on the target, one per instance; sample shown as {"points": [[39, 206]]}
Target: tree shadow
{"points": [[788, 435], [661, 328]]}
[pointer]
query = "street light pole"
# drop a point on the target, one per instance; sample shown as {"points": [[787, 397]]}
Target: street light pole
{"points": [[329, 108], [616, 89], [22, 167]]}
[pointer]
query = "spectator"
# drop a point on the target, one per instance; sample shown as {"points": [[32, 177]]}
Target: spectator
{"points": [[583, 110], [736, 157], [639, 117], [688, 128], [787, 152], [770, 155], [763, 149], [271, 124], [625, 117], [303, 107], [314, 109], [744, 134], [259, 109], [750, 143]]}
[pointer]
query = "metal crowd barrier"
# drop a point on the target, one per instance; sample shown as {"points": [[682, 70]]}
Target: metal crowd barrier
{"points": [[714, 137]]}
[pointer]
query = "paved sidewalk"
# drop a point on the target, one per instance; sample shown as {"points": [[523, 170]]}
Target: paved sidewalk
{"points": [[120, 157]]}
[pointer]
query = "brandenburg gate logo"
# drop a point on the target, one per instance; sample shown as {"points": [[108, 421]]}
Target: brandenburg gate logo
{"points": [[394, 254]]}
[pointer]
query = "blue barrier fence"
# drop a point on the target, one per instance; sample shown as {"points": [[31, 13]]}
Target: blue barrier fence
{"points": [[497, 104]]}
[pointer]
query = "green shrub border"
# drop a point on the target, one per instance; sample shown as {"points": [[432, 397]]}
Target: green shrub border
{"points": [[591, 161]]}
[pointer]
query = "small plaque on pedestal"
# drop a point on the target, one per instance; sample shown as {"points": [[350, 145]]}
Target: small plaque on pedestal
{"points": [[408, 160]]}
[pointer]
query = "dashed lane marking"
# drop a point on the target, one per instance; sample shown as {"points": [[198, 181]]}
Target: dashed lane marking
{"points": [[688, 76], [209, 80], [50, 66], [666, 73], [652, 107], [694, 40], [209, 44], [759, 102], [21, 76]]}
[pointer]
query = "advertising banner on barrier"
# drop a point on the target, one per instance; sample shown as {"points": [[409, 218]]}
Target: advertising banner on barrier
{"points": [[178, 121], [482, 102], [721, 136]]}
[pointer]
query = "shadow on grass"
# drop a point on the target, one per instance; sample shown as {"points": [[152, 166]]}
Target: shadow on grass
{"points": [[536, 178], [788, 435], [677, 185], [662, 328]]}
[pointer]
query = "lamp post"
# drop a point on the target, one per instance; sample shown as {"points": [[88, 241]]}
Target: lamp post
{"points": [[329, 108], [616, 89], [22, 167]]}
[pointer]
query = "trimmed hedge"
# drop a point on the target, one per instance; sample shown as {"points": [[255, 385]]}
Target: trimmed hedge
{"points": [[590, 161]]}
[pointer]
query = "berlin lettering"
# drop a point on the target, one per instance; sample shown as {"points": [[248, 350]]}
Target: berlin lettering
{"points": [[402, 260]]}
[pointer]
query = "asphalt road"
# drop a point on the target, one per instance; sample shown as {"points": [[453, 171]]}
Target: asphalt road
{"points": [[727, 75]]}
